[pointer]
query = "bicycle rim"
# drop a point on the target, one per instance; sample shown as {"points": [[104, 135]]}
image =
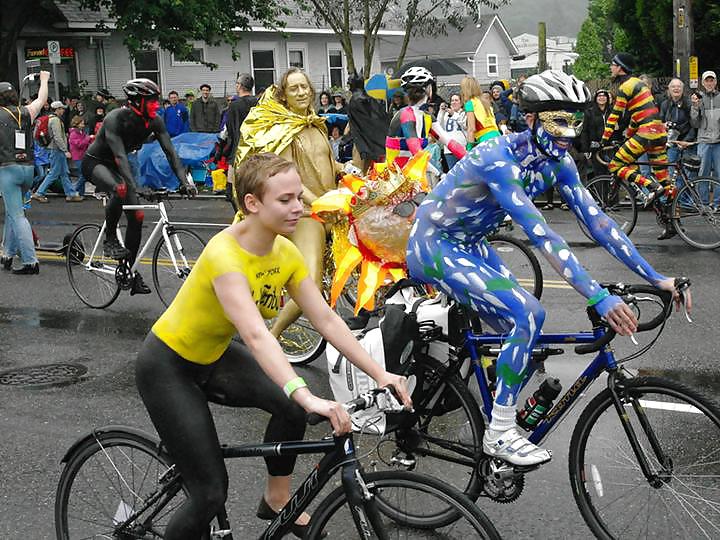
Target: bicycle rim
{"points": [[521, 262], [615, 498], [399, 494], [107, 481], [696, 212], [169, 276], [301, 343], [91, 274], [616, 200]]}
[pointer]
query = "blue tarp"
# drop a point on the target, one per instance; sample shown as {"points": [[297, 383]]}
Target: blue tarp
{"points": [[192, 148]]}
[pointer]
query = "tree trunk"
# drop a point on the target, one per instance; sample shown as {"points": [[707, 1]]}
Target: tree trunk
{"points": [[13, 17]]}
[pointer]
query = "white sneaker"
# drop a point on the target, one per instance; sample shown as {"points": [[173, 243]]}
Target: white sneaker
{"points": [[516, 449]]}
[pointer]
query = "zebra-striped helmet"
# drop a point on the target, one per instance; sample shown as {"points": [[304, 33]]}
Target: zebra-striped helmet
{"points": [[553, 90]]}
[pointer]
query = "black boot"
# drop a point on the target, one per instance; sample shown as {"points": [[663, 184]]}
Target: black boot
{"points": [[114, 249], [668, 232], [6, 263], [138, 286], [27, 269]]}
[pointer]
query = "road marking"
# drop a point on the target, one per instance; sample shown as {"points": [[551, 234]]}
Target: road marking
{"points": [[676, 407]]}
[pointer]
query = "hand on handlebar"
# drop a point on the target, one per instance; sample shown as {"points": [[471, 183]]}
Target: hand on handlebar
{"points": [[190, 190], [399, 384], [621, 318], [332, 410], [680, 297]]}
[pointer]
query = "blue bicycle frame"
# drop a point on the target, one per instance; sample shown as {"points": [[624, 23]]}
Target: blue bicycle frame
{"points": [[604, 360]]}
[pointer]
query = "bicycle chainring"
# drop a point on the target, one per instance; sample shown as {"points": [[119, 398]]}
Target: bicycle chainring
{"points": [[123, 275], [500, 481]]}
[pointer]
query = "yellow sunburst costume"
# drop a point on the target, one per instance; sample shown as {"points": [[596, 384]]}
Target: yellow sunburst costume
{"points": [[369, 234]]}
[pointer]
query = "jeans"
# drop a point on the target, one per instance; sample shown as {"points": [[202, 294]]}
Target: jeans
{"points": [[17, 234], [710, 163], [80, 182], [58, 169]]}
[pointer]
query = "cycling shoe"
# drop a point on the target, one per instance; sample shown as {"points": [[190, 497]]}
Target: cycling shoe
{"points": [[138, 286], [114, 249], [512, 447]]}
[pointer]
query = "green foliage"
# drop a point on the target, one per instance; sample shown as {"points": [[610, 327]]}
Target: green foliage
{"points": [[706, 16], [591, 62], [175, 24]]}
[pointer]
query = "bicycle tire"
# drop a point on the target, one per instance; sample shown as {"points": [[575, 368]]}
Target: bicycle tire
{"points": [[616, 200], [443, 435], [129, 465], [696, 220], [521, 261], [166, 278], [332, 516], [97, 289], [686, 424]]}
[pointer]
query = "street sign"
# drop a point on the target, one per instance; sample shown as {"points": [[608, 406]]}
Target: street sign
{"points": [[693, 75], [53, 52]]}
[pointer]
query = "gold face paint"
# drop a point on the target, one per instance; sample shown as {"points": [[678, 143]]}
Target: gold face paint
{"points": [[567, 124]]}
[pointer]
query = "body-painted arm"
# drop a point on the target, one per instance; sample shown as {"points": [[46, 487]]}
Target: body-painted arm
{"points": [[408, 128], [604, 230], [617, 112]]}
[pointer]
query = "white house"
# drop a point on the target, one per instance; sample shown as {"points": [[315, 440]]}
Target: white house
{"points": [[94, 59], [483, 49], [559, 53]]}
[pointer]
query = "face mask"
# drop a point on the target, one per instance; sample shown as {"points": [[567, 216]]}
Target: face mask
{"points": [[566, 124], [152, 108], [548, 143]]}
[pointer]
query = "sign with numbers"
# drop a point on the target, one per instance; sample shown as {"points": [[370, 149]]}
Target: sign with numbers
{"points": [[53, 52], [693, 76]]}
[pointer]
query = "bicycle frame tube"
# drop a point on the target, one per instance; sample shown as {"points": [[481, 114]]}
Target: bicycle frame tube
{"points": [[602, 361], [339, 452]]}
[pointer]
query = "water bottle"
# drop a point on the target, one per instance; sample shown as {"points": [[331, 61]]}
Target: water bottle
{"points": [[537, 405]]}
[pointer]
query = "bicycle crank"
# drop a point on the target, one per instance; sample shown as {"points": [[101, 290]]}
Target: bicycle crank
{"points": [[123, 275], [501, 481]]}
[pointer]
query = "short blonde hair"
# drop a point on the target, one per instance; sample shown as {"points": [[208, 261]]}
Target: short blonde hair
{"points": [[252, 175]]}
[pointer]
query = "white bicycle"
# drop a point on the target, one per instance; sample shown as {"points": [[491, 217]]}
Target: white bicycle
{"points": [[98, 279]]}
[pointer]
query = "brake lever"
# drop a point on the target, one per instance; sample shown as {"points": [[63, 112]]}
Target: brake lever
{"points": [[684, 306]]}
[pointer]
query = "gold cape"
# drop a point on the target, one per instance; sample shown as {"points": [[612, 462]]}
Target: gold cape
{"points": [[272, 127]]}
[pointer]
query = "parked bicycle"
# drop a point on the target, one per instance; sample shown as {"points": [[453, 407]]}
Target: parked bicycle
{"points": [[118, 482], [98, 279], [694, 211], [644, 459]]}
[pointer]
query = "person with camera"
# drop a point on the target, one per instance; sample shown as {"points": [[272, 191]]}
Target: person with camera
{"points": [[16, 173], [675, 112], [705, 117]]}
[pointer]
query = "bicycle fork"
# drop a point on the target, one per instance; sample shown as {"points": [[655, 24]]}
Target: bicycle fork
{"points": [[362, 503], [618, 391]]}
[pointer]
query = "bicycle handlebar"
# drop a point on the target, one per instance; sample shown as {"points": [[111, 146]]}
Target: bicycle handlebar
{"points": [[628, 294], [385, 399]]}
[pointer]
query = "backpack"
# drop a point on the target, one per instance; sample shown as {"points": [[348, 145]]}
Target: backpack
{"points": [[42, 133], [389, 341]]}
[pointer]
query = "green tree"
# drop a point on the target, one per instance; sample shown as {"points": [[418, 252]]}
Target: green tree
{"points": [[591, 63], [171, 24]]}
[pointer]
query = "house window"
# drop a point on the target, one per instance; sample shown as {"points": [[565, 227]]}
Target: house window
{"points": [[263, 64], [336, 68], [492, 64], [197, 55], [147, 66], [296, 58]]}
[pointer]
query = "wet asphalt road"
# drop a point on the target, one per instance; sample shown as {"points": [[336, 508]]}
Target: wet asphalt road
{"points": [[43, 322]]}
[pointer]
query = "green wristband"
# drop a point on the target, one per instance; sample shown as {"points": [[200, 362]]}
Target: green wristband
{"points": [[294, 384], [598, 297]]}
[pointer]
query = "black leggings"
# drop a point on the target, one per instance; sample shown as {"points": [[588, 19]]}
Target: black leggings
{"points": [[106, 179], [176, 393]]}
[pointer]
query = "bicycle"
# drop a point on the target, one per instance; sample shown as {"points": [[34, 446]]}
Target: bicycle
{"points": [[98, 279], [694, 211], [302, 344], [118, 482], [641, 442]]}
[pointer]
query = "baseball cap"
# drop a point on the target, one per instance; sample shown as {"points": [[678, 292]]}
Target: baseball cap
{"points": [[707, 74], [57, 105]]}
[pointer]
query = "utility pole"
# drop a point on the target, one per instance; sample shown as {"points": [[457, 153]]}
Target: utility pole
{"points": [[542, 47], [685, 63]]}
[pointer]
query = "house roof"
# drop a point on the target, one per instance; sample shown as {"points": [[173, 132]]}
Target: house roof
{"points": [[460, 43], [76, 18]]}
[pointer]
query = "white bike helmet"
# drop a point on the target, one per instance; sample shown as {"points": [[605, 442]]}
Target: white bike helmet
{"points": [[416, 76], [553, 90]]}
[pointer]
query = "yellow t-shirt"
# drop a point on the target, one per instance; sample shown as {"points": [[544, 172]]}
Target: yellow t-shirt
{"points": [[195, 325]]}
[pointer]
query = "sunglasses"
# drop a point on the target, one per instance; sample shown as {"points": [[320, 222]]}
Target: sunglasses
{"points": [[407, 208]]}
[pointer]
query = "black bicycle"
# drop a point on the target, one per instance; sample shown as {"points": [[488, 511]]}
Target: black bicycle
{"points": [[694, 212], [119, 482]]}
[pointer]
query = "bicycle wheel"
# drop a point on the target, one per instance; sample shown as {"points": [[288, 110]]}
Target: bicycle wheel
{"points": [[400, 497], [168, 276], [442, 437], [91, 274], [301, 343], [116, 476], [616, 200], [521, 261], [614, 496], [697, 212]]}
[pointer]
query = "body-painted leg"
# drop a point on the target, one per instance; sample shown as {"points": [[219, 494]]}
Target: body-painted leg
{"points": [[623, 165]]}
